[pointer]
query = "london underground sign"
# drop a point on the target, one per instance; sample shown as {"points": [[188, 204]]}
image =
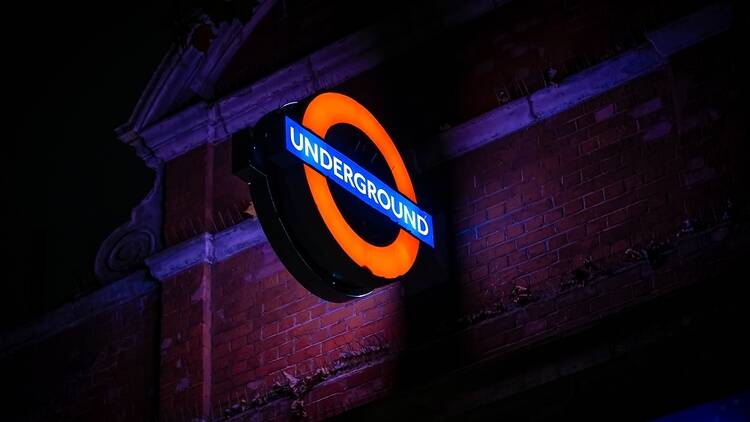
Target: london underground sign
{"points": [[360, 182], [323, 112], [331, 245]]}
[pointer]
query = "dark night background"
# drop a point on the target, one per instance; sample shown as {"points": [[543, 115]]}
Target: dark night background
{"points": [[76, 72]]}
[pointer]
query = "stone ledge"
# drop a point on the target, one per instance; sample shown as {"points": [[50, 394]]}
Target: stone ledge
{"points": [[206, 248], [73, 313], [581, 87], [205, 123]]}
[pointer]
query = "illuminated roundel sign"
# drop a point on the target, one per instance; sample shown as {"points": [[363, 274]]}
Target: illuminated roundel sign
{"points": [[309, 192], [324, 162]]}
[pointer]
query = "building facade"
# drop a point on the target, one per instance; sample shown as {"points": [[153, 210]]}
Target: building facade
{"points": [[580, 158]]}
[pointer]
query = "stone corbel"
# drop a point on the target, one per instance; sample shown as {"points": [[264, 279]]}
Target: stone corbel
{"points": [[126, 248]]}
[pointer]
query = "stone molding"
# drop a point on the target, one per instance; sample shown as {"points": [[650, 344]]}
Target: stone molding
{"points": [[583, 86], [73, 313], [213, 122], [205, 248]]}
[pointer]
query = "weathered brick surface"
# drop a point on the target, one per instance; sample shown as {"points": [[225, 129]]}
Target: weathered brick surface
{"points": [[616, 172], [185, 349], [103, 368], [607, 196], [202, 195], [187, 199], [590, 182], [265, 323]]}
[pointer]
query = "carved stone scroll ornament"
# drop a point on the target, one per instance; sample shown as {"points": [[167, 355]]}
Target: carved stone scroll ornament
{"points": [[126, 248], [183, 74]]}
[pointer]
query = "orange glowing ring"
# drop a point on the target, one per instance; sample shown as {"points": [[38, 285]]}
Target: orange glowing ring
{"points": [[389, 261]]}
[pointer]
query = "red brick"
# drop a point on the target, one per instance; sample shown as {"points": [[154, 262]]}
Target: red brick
{"points": [[604, 113], [514, 230], [373, 314], [536, 249], [573, 206], [505, 248], [495, 211], [589, 146], [537, 263], [593, 198], [553, 215], [536, 236], [585, 121], [595, 226], [495, 238], [572, 179], [533, 223], [616, 217], [306, 328], [269, 330], [591, 171], [557, 241], [478, 273], [491, 227], [336, 342], [477, 246], [336, 316]]}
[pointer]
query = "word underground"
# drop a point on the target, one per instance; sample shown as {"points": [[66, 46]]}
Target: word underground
{"points": [[358, 181]]}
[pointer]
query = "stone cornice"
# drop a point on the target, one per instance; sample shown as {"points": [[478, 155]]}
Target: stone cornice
{"points": [[210, 123], [581, 87], [185, 72], [205, 248], [545, 103], [71, 314]]}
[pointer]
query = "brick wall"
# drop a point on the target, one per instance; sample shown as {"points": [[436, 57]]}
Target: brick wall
{"points": [[507, 53], [185, 370], [625, 169], [265, 324], [230, 331], [499, 57], [102, 368], [614, 173], [202, 195]]}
